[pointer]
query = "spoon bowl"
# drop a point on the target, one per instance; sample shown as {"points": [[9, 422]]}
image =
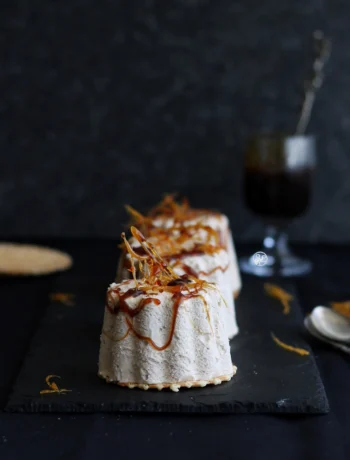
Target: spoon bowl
{"points": [[331, 324], [314, 332]]}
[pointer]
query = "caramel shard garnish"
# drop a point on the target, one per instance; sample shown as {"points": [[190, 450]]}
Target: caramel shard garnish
{"points": [[135, 214], [152, 258], [156, 273], [187, 233], [137, 218], [63, 297], [53, 386], [170, 206], [180, 211], [278, 293], [285, 346], [343, 308]]}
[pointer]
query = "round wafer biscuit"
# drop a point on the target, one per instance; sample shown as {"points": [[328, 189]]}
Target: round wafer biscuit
{"points": [[25, 259]]}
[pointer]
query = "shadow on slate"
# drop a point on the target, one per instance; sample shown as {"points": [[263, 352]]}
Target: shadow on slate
{"points": [[269, 378]]}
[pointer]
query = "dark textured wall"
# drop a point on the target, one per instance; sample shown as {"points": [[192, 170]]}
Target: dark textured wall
{"points": [[107, 102]]}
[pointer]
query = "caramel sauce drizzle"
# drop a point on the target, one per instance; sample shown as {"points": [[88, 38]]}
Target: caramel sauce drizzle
{"points": [[215, 269], [158, 277], [177, 297], [190, 271]]}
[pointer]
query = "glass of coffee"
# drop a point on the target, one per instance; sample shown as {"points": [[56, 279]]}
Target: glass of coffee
{"points": [[277, 187]]}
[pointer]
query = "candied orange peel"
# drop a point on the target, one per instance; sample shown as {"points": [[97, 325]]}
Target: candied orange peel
{"points": [[273, 290], [285, 346], [53, 386], [343, 308]]}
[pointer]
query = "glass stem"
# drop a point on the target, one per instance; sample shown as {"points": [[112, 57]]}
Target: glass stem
{"points": [[275, 244]]}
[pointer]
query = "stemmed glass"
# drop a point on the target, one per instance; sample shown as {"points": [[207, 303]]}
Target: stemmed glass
{"points": [[277, 185]]}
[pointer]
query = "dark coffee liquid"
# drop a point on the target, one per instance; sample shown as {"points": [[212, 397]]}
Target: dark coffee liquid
{"points": [[280, 194]]}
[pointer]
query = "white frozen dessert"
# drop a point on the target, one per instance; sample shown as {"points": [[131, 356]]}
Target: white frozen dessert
{"points": [[203, 226], [219, 223], [169, 213], [192, 250], [214, 268], [164, 331]]}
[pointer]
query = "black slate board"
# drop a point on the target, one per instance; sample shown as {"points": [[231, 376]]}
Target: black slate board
{"points": [[269, 379]]}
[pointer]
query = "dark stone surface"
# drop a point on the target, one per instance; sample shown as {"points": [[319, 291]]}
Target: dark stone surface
{"points": [[111, 102], [269, 379]]}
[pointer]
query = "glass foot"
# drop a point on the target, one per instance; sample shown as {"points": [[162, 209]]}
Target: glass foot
{"points": [[262, 264]]}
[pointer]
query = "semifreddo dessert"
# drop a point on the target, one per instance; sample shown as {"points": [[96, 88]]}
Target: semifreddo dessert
{"points": [[169, 213], [163, 330], [194, 250]]}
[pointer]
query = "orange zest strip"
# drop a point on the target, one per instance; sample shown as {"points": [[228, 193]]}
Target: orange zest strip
{"points": [[219, 268], [275, 291], [343, 308], [65, 298], [53, 386], [285, 346]]}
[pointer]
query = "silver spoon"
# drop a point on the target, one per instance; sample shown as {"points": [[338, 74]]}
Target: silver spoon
{"points": [[313, 331], [331, 324]]}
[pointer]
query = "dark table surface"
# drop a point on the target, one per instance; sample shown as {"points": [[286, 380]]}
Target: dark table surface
{"points": [[129, 436]]}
